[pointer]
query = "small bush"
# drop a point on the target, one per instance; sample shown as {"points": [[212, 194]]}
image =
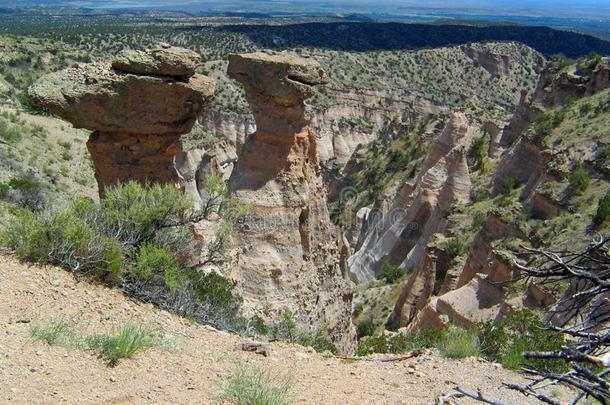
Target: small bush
{"points": [[54, 334], [458, 343], [399, 344], [259, 326], [365, 327], [508, 185], [602, 157], [212, 289], [480, 148], [390, 274], [4, 189], [154, 260], [478, 220], [454, 247], [124, 343], [135, 213], [257, 387], [579, 179], [319, 343], [27, 192], [603, 210], [372, 345], [506, 340], [286, 328]]}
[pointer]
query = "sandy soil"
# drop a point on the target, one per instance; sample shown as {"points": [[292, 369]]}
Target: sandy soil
{"points": [[199, 360]]}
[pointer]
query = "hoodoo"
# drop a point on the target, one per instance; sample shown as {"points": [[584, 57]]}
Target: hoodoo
{"points": [[290, 257], [137, 106]]}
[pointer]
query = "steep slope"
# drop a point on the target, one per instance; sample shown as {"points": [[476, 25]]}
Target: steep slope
{"points": [[544, 191], [199, 359]]}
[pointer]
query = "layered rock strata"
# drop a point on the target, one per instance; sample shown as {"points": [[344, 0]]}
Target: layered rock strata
{"points": [[400, 234], [290, 255], [137, 106]]}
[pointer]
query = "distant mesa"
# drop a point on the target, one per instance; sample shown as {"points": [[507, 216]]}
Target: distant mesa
{"points": [[371, 36]]}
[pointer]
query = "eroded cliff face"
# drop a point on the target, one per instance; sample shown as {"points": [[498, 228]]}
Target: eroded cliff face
{"points": [[289, 256], [137, 106], [400, 234], [338, 138], [473, 288]]}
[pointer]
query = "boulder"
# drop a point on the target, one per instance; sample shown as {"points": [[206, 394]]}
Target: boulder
{"points": [[276, 86], [161, 61], [99, 98]]}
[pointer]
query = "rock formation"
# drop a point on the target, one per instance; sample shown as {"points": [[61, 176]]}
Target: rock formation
{"points": [[290, 256], [401, 234], [138, 107]]}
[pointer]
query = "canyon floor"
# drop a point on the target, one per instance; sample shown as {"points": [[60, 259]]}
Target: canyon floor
{"points": [[198, 360]]}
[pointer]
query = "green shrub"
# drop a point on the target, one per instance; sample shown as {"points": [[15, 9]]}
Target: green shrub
{"points": [[372, 345], [390, 274], [480, 148], [259, 325], [602, 157], [154, 260], [579, 179], [4, 189], [136, 213], [585, 109], [212, 289], [54, 334], [589, 62], [508, 185], [319, 343], [88, 236], [11, 133], [454, 247], [125, 342], [286, 328], [505, 341], [257, 387], [478, 220], [603, 210], [365, 327], [28, 192], [458, 343], [397, 344]]}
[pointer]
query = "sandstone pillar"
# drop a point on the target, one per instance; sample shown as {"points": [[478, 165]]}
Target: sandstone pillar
{"points": [[138, 106], [290, 256]]}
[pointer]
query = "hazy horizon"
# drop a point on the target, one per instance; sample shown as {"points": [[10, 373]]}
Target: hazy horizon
{"points": [[520, 7]]}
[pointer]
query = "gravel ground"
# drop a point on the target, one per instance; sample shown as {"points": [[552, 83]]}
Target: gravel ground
{"points": [[198, 359]]}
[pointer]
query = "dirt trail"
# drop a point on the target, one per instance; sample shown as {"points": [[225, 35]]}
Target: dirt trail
{"points": [[190, 372]]}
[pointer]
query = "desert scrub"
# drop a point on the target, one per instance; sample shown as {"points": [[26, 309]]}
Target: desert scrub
{"points": [[55, 334], [123, 343], [257, 387], [155, 260], [603, 210], [365, 327], [390, 274], [135, 238], [454, 247], [458, 343], [397, 344], [506, 340], [579, 179]]}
